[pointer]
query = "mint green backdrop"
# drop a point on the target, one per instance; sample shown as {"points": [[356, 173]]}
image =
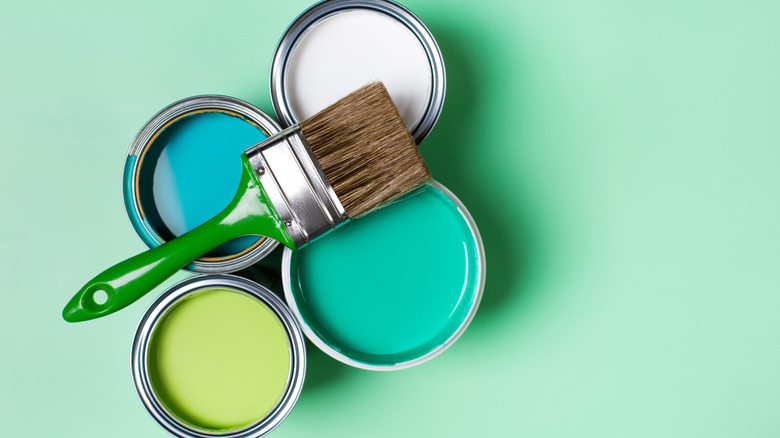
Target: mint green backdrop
{"points": [[620, 158]]}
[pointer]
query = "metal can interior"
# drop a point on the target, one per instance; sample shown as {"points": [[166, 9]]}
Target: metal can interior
{"points": [[175, 178], [163, 407], [392, 289], [383, 41]]}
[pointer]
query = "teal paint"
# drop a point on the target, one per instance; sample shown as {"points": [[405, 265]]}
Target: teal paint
{"points": [[193, 174], [393, 285]]}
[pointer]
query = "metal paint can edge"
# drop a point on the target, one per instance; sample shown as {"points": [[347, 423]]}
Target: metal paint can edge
{"points": [[148, 132], [332, 352], [165, 302], [325, 8]]}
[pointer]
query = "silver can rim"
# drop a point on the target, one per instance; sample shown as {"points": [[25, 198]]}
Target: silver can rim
{"points": [[341, 357], [327, 8], [159, 309], [148, 132]]}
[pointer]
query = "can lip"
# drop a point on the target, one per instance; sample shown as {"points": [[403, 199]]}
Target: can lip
{"points": [[327, 8], [164, 303], [148, 132], [332, 352]]}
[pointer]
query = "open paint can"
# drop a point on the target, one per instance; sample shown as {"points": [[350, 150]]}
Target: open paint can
{"points": [[394, 288], [184, 167], [337, 46], [218, 356]]}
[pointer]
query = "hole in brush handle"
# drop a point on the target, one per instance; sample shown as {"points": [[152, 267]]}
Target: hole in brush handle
{"points": [[100, 297], [97, 298]]}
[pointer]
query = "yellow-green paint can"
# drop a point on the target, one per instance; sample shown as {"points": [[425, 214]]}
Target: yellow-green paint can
{"points": [[218, 356]]}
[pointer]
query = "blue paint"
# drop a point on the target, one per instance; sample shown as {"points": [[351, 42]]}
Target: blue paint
{"points": [[192, 173], [394, 285]]}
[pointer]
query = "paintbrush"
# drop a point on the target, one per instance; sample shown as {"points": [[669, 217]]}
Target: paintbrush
{"points": [[342, 163]]}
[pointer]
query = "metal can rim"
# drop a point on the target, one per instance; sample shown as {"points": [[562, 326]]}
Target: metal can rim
{"points": [[341, 357], [148, 132], [327, 8], [164, 303]]}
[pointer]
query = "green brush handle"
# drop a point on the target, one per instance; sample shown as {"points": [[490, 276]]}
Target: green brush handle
{"points": [[250, 212]]}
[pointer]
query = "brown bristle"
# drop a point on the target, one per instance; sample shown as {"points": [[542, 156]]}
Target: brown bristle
{"points": [[365, 150]]}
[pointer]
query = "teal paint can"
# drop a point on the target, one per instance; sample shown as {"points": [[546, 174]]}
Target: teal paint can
{"points": [[393, 289], [184, 167]]}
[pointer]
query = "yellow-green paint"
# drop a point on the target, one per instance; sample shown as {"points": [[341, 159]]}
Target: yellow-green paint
{"points": [[219, 360]]}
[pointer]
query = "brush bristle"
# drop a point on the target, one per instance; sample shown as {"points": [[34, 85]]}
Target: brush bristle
{"points": [[365, 150]]}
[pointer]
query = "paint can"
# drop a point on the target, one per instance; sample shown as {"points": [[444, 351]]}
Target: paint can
{"points": [[218, 356], [394, 288], [337, 46], [183, 168]]}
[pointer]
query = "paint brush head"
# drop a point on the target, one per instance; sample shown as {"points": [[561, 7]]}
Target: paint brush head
{"points": [[365, 150]]}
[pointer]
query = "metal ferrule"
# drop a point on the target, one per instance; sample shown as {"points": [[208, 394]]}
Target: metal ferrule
{"points": [[296, 186]]}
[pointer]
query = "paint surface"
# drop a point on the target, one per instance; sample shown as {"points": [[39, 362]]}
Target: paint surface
{"points": [[345, 51], [195, 167], [393, 285], [219, 360]]}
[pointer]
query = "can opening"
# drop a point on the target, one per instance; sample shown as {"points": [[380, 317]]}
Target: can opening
{"points": [[337, 46], [217, 356], [219, 360], [394, 288], [189, 172]]}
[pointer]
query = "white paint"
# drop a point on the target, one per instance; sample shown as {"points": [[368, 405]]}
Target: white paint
{"points": [[345, 51]]}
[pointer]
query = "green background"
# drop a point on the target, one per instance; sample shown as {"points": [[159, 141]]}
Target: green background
{"points": [[620, 158]]}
